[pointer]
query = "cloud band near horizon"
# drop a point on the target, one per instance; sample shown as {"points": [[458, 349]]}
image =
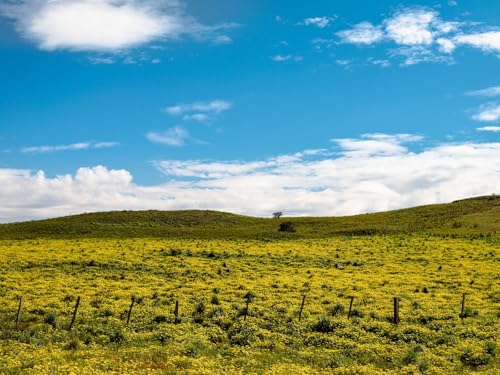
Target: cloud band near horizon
{"points": [[376, 172]]}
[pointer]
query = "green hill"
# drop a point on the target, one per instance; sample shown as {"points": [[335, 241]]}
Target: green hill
{"points": [[475, 216]]}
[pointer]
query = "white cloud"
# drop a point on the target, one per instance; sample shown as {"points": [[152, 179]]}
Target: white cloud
{"points": [[281, 58], [411, 27], [176, 136], [71, 147], [446, 45], [494, 129], [345, 63], [104, 25], [102, 60], [222, 39], [490, 92], [321, 22], [215, 107], [376, 172], [384, 63], [200, 117], [420, 35], [105, 144], [362, 33], [488, 113], [413, 55], [376, 144], [486, 41]]}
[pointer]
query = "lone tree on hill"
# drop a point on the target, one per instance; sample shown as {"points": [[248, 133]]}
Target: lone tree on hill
{"points": [[277, 215]]}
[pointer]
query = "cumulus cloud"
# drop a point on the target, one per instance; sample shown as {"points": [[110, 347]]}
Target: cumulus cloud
{"points": [[411, 27], [104, 25], [373, 173], [421, 35], [175, 136], [70, 147]]}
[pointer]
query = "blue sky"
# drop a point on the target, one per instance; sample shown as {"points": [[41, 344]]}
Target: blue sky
{"points": [[321, 108]]}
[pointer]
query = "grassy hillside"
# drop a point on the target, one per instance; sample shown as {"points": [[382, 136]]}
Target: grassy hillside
{"points": [[252, 300], [471, 216]]}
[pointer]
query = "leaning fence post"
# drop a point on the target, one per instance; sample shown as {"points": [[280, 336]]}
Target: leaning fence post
{"points": [[350, 308], [396, 310], [130, 309], [19, 310], [302, 306], [74, 314]]}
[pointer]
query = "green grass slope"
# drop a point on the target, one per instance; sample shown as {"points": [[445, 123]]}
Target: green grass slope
{"points": [[475, 216]]}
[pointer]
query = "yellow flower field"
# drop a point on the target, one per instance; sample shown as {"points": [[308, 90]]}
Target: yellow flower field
{"points": [[216, 334]]}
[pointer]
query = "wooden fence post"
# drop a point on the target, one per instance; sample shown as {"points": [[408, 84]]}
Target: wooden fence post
{"points": [[130, 310], [462, 314], [350, 308], [177, 318], [19, 310], [396, 310], [74, 314], [246, 310], [302, 306]]}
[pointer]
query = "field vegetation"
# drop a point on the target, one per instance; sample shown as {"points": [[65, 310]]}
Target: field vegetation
{"points": [[252, 299]]}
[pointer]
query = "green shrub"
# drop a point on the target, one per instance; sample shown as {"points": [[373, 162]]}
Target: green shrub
{"points": [[194, 348], [160, 319], [323, 325], [117, 337], [51, 320], [474, 359], [338, 309], [242, 334], [72, 345]]}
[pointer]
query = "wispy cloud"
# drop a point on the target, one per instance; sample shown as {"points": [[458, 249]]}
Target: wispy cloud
{"points": [[200, 111], [488, 113], [372, 173], [175, 136], [70, 147], [102, 60], [494, 129], [105, 144], [362, 33], [321, 22], [376, 144], [214, 106], [105, 25], [283, 58], [488, 92]]}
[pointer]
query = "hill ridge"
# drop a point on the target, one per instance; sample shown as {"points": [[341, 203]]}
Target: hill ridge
{"points": [[477, 215]]}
